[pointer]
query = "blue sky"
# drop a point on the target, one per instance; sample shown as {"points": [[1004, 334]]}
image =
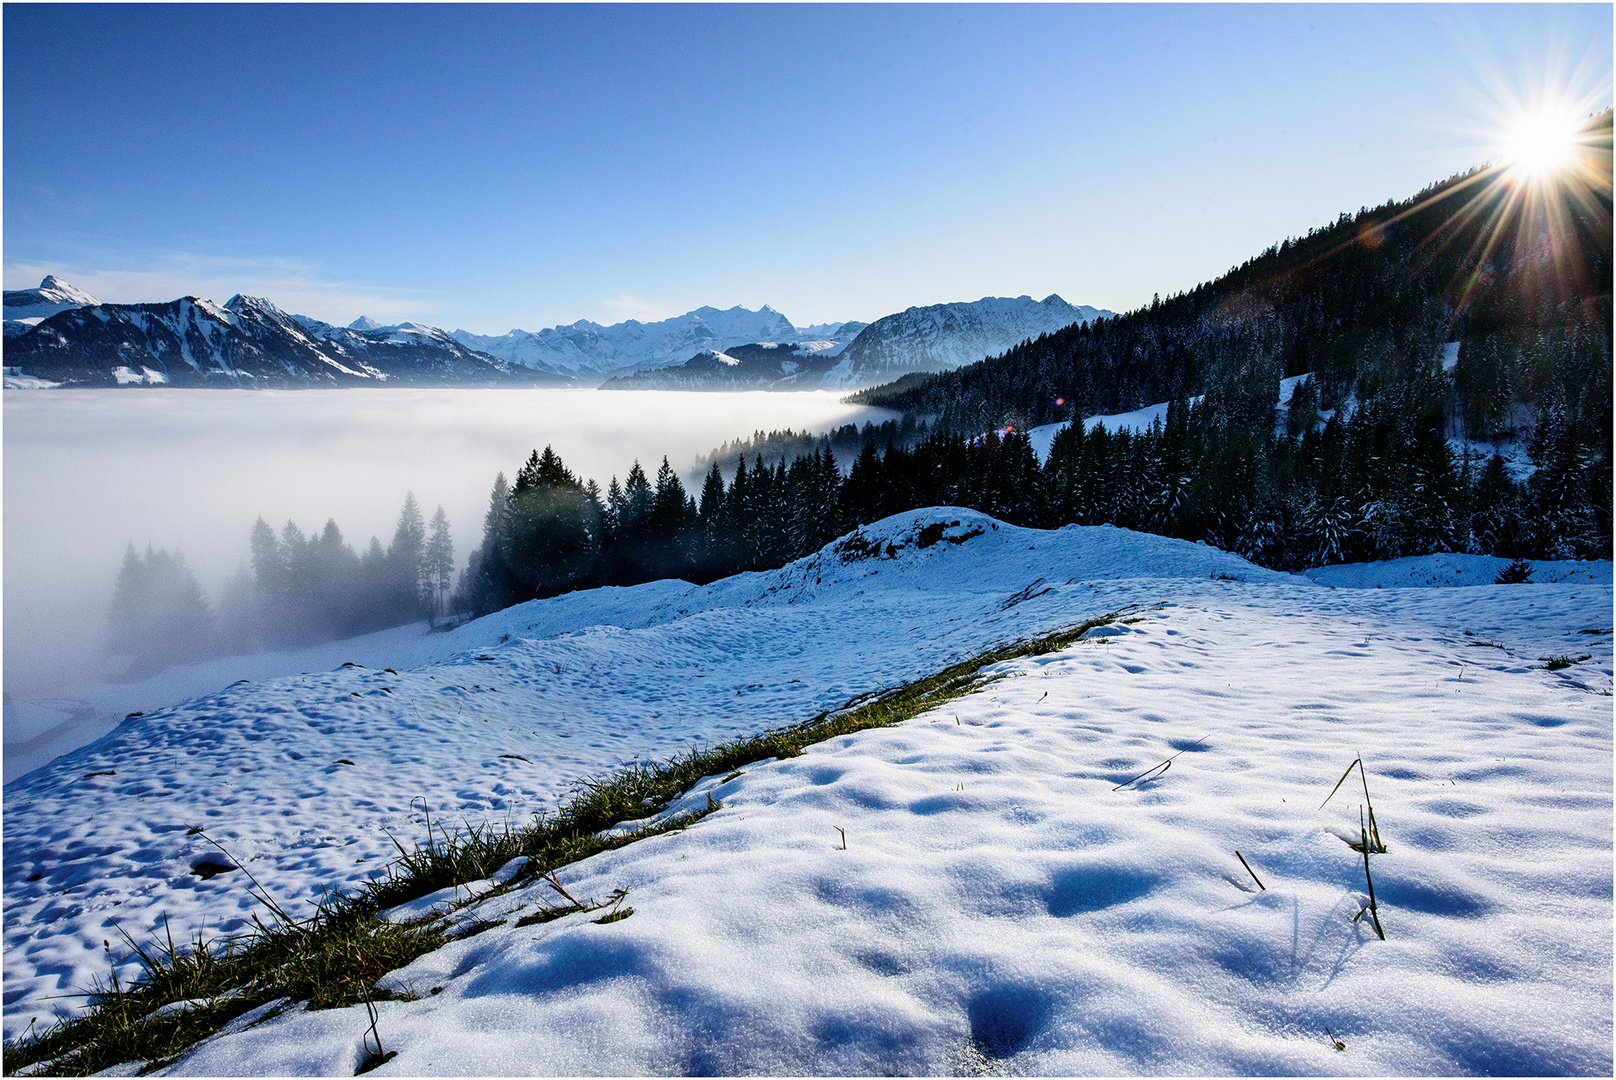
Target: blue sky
{"points": [[491, 167]]}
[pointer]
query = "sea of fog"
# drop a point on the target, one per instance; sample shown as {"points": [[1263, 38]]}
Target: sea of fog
{"points": [[87, 472]]}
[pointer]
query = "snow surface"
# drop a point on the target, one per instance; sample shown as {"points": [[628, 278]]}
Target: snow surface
{"points": [[999, 906], [1450, 569]]}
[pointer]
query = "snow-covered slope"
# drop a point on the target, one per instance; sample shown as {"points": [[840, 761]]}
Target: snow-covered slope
{"points": [[25, 308], [998, 907], [588, 350], [246, 342], [1450, 570], [946, 336]]}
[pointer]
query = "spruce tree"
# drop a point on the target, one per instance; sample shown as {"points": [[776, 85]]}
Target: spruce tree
{"points": [[406, 556], [439, 560], [552, 535], [159, 613]]}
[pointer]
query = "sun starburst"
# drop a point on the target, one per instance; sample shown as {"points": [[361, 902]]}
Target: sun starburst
{"points": [[1542, 145]]}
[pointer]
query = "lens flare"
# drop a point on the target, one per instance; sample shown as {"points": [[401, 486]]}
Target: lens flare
{"points": [[1549, 183], [1543, 144]]}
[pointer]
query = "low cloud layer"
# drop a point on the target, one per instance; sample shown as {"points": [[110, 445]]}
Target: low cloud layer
{"points": [[88, 472]]}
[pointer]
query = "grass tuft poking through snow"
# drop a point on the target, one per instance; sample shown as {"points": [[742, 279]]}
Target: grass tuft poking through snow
{"points": [[335, 957]]}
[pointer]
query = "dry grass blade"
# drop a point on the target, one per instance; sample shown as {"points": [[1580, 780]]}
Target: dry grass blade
{"points": [[1250, 871], [1158, 770], [1372, 908]]}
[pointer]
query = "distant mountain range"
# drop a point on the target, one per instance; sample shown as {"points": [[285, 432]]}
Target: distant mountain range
{"points": [[193, 342], [586, 350], [940, 337], [57, 334]]}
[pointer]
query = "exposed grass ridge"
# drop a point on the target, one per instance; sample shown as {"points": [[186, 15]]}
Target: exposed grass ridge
{"points": [[187, 992]]}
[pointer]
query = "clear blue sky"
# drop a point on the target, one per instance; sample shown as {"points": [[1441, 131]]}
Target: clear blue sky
{"points": [[491, 167]]}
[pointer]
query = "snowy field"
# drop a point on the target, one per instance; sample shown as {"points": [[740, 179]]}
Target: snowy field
{"points": [[1000, 905], [1449, 570]]}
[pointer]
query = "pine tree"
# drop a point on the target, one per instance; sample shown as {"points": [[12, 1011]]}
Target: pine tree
{"points": [[406, 557], [730, 553], [439, 560], [609, 522], [269, 569], [1302, 413], [673, 523], [485, 583], [159, 613], [552, 535], [862, 491]]}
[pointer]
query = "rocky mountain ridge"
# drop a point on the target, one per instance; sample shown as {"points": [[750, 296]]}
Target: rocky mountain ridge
{"points": [[59, 335], [588, 350], [247, 342]]}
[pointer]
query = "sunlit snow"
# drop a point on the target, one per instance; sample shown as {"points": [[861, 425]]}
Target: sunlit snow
{"points": [[1005, 903]]}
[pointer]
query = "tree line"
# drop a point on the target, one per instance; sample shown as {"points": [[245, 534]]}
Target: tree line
{"points": [[300, 590], [1286, 488]]}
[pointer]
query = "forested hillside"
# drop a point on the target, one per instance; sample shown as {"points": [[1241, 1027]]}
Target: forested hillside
{"points": [[1515, 271]]}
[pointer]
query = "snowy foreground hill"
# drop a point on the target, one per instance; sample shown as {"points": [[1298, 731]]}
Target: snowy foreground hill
{"points": [[1005, 900]]}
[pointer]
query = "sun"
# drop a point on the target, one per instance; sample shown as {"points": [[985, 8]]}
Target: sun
{"points": [[1542, 145]]}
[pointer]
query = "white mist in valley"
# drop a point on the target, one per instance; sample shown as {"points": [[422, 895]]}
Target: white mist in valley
{"points": [[88, 472]]}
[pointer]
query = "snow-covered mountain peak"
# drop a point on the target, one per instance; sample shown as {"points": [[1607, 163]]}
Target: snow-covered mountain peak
{"points": [[26, 308], [364, 322], [223, 314], [940, 337], [61, 290], [241, 304]]}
